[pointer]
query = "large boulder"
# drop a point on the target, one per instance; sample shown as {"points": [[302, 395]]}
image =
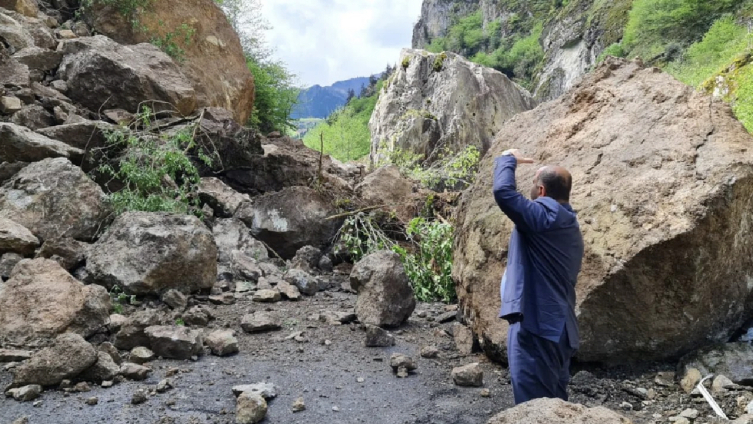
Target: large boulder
{"points": [[213, 59], [557, 411], [151, 253], [54, 198], [102, 74], [67, 358], [175, 342], [20, 32], [230, 235], [227, 143], [290, 219], [41, 300], [20, 144], [385, 297], [25, 7], [663, 186], [436, 101], [732, 360], [223, 200]]}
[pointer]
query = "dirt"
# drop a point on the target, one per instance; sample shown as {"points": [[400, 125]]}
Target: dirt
{"points": [[325, 370]]}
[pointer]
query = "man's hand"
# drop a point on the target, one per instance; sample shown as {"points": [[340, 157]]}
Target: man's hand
{"points": [[518, 156]]}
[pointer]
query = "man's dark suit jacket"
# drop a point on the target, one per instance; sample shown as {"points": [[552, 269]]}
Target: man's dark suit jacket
{"points": [[543, 260]]}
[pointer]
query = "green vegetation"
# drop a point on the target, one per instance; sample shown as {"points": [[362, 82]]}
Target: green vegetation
{"points": [[119, 298], [155, 170], [346, 132], [426, 254], [439, 61], [276, 94], [447, 168], [173, 43]]}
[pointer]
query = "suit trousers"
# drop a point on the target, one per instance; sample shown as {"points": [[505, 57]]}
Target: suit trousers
{"points": [[539, 368]]}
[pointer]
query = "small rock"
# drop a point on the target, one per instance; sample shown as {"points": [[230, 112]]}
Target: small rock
{"points": [[22, 420], [175, 299], [141, 355], [92, 401], [222, 342], [690, 380], [175, 342], [486, 393], [107, 384], [721, 383], [463, 338], [164, 385], [679, 420], [749, 408], [402, 364], [470, 375], [288, 291], [301, 279], [139, 397], [429, 352], [8, 355], [116, 322], [82, 387], [267, 296], [133, 371], [267, 390], [222, 299], [67, 34], [10, 105], [26, 393], [360, 380], [299, 405], [446, 317], [665, 379], [689, 413], [626, 406], [251, 408], [260, 322], [111, 350], [378, 337], [196, 316]]}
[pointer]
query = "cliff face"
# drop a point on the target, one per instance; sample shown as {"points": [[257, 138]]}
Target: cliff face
{"points": [[571, 37]]}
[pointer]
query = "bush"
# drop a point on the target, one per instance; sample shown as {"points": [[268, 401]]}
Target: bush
{"points": [[276, 94], [155, 170], [615, 50], [724, 41], [447, 169]]}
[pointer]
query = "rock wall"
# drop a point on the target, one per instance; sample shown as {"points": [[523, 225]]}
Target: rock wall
{"points": [[663, 183], [434, 101], [213, 59]]}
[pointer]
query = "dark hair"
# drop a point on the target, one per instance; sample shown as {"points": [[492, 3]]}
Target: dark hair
{"points": [[557, 186]]}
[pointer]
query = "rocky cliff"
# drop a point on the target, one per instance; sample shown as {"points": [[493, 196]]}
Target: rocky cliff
{"points": [[662, 183]]}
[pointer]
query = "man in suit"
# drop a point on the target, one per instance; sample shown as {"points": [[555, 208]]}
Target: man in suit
{"points": [[538, 287]]}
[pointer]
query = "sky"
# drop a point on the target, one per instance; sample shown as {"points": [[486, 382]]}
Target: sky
{"points": [[324, 41]]}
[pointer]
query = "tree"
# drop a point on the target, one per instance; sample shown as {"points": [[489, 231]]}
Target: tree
{"points": [[351, 95], [247, 20]]}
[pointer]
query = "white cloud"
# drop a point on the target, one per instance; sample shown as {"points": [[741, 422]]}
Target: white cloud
{"points": [[323, 41]]}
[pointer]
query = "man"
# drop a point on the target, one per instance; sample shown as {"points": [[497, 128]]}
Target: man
{"points": [[538, 287]]}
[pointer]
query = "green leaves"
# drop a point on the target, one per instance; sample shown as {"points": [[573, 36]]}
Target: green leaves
{"points": [[276, 94]]}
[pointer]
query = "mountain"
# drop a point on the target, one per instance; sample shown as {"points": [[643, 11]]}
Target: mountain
{"points": [[319, 102]]}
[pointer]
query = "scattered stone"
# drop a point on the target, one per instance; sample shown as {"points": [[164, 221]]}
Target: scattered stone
{"points": [[8, 261], [35, 117], [463, 338], [226, 298], [92, 401], [69, 253], [378, 337], [22, 420], [26, 393], [626, 406], [721, 383], [267, 296], [251, 408], [299, 405], [267, 390], [175, 342], [9, 355], [260, 322], [222, 342], [429, 352], [336, 317], [679, 420], [306, 258], [81, 387], [402, 365], [385, 297], [305, 283], [468, 375], [325, 264], [486, 393], [104, 369], [690, 414], [288, 291], [141, 355], [107, 384], [734, 360], [133, 371], [131, 333], [665, 379], [446, 317], [175, 299], [690, 380], [197, 316], [68, 357], [164, 385], [139, 396], [223, 200], [151, 252]]}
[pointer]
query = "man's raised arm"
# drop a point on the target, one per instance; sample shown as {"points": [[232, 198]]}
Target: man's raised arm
{"points": [[527, 215]]}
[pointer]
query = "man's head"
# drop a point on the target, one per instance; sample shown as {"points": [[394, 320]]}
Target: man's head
{"points": [[552, 181]]}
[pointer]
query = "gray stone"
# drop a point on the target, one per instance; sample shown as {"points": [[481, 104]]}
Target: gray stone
{"points": [[734, 360], [164, 386], [305, 283], [220, 197], [244, 267], [131, 333], [429, 352], [21, 144], [141, 355], [288, 291], [267, 390], [197, 316], [10, 105], [67, 358], [39, 59], [10, 355], [260, 322], [26, 393], [8, 261], [222, 342], [306, 258], [111, 350], [34, 117], [721, 383], [105, 369], [69, 253], [149, 253], [377, 337], [385, 297], [299, 405], [133, 371], [547, 410], [267, 296], [691, 378], [251, 408], [463, 338], [468, 375], [139, 396], [398, 361], [175, 342], [175, 299]]}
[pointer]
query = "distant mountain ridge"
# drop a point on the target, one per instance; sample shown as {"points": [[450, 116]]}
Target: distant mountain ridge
{"points": [[319, 102]]}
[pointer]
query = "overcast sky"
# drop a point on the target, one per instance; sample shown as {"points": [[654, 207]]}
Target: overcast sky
{"points": [[324, 41]]}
